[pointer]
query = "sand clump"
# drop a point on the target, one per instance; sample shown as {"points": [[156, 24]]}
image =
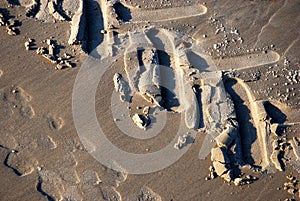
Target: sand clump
{"points": [[145, 81], [50, 53], [10, 24], [222, 121], [291, 186], [271, 145], [28, 44], [53, 11], [149, 83], [147, 194], [122, 87], [142, 121], [181, 142], [144, 77]]}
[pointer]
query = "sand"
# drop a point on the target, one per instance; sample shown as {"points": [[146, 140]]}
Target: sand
{"points": [[217, 82]]}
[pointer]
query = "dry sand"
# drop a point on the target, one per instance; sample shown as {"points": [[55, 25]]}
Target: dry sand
{"points": [[234, 84]]}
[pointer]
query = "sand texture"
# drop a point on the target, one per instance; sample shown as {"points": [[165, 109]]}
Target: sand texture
{"points": [[130, 100]]}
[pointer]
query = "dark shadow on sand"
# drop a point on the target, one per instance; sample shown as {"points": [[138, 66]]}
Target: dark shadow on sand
{"points": [[123, 13], [14, 2], [7, 165], [199, 101], [60, 10], [197, 61], [39, 189], [248, 132], [167, 81], [276, 115], [94, 25]]}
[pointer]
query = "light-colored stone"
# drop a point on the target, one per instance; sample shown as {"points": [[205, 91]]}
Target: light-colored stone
{"points": [[141, 121], [181, 142], [49, 42], [50, 58], [220, 168], [238, 181], [10, 31], [275, 159], [228, 176], [212, 78], [228, 135], [68, 64], [296, 147], [27, 45], [51, 49], [78, 25], [41, 50], [122, 87], [219, 154], [149, 82], [227, 109], [274, 128], [146, 110], [206, 94], [51, 7]]}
